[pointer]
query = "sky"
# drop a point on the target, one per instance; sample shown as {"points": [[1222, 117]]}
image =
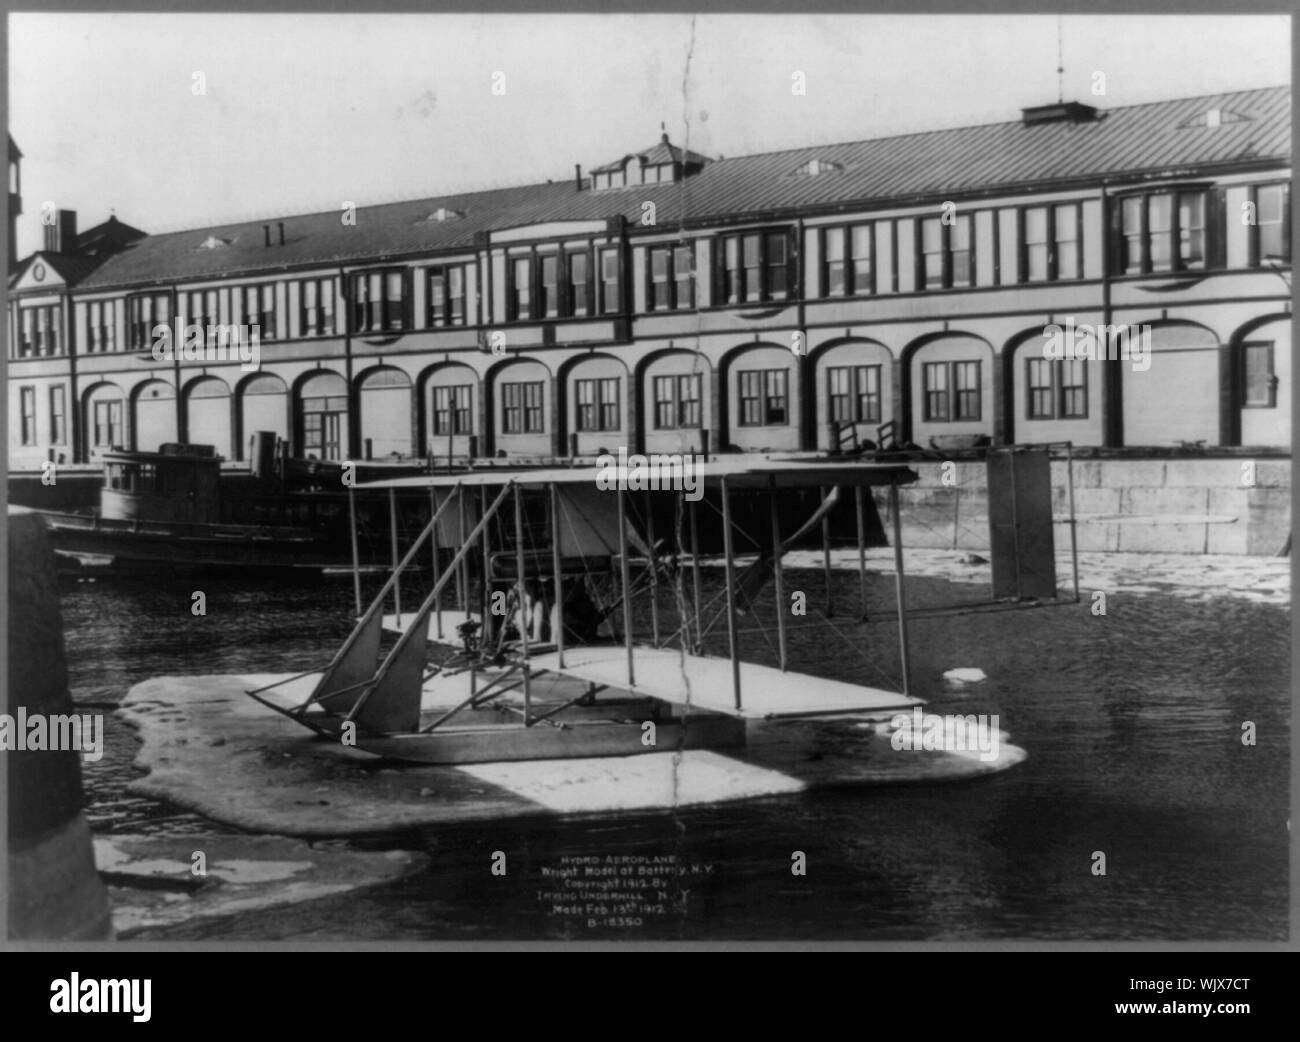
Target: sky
{"points": [[299, 113]]}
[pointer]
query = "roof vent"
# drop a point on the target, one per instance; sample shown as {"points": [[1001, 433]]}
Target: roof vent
{"points": [[444, 214], [1059, 112], [214, 242]]}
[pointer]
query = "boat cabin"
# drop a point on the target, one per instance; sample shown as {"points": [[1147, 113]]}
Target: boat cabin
{"points": [[176, 484]]}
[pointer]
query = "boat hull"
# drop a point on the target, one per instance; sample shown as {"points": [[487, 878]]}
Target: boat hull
{"points": [[127, 544]]}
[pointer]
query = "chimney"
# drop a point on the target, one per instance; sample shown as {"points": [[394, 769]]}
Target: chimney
{"points": [[577, 175], [266, 234], [61, 236], [281, 225]]}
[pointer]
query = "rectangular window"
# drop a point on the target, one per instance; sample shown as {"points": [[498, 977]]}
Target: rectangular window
{"points": [[1162, 231], [378, 302], [446, 296], [322, 425], [951, 390], [598, 404], [854, 393], [586, 395], [579, 285], [58, 415], [1271, 240], [935, 380], [960, 256], [1038, 247], [611, 302], [862, 239], [451, 409], [255, 306], [549, 302], [834, 266], [677, 402], [1260, 383], [754, 267], [202, 309], [26, 332], [683, 277], [38, 331], [1160, 224], [1039, 388], [665, 404], [660, 279], [672, 284], [733, 277], [1066, 241], [1056, 389], [266, 312], [1050, 243], [932, 251], [1074, 389], [777, 266], [29, 415], [966, 383], [144, 312], [1133, 257], [521, 408], [763, 398], [689, 410], [316, 307], [101, 326], [107, 424]]}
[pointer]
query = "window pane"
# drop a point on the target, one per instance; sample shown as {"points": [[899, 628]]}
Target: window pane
{"points": [[663, 391], [1067, 242], [753, 273], [578, 283], [1191, 229], [863, 280], [1159, 225], [1132, 230], [550, 286], [935, 383], [1259, 374]]}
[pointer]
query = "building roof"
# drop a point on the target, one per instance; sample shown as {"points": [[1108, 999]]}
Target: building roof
{"points": [[68, 267], [1175, 137], [107, 237]]}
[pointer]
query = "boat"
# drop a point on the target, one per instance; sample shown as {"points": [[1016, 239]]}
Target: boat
{"points": [[174, 509], [558, 623]]}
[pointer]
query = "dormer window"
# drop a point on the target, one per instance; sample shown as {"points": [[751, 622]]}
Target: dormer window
{"points": [[214, 242], [610, 179], [444, 214], [815, 167], [1215, 117]]}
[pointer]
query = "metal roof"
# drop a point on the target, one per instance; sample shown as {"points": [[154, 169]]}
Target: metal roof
{"points": [[1121, 143]]}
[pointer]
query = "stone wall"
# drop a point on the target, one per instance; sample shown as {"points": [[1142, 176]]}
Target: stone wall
{"points": [[1187, 506]]}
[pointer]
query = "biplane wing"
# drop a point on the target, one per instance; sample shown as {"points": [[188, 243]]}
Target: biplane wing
{"points": [[705, 682]]}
